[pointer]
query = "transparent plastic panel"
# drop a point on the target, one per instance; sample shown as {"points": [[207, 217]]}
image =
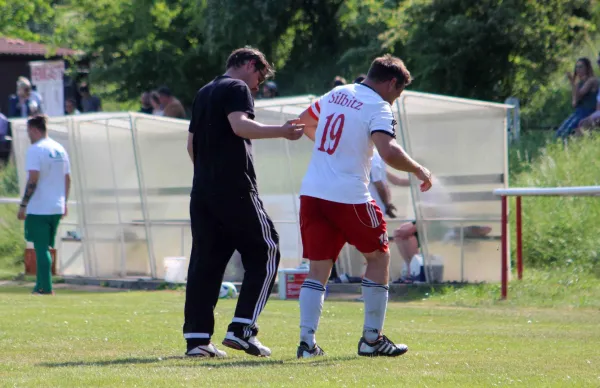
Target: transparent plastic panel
{"points": [[171, 240], [70, 251], [280, 166], [128, 180], [110, 194], [165, 167], [463, 143], [166, 175], [118, 256]]}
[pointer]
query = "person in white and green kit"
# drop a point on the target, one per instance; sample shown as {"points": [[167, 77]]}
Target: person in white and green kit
{"points": [[45, 200]]}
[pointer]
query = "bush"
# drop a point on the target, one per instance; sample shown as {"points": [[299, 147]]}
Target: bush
{"points": [[523, 153], [562, 230], [12, 241]]}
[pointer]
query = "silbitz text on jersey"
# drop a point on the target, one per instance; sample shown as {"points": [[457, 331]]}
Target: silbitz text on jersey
{"points": [[343, 100]]}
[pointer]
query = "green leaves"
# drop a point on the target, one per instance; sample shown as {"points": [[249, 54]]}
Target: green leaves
{"points": [[557, 229], [491, 49], [163, 15], [28, 20]]}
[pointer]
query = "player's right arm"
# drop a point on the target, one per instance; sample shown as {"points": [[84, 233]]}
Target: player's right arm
{"points": [[310, 118], [381, 126]]}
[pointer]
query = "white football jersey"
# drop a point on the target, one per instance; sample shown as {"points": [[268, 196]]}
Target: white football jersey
{"points": [[341, 159], [378, 174]]}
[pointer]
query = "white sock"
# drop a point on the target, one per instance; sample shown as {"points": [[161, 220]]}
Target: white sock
{"points": [[312, 295], [376, 297]]}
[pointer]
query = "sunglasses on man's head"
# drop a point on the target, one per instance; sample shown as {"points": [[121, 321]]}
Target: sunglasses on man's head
{"points": [[262, 77]]}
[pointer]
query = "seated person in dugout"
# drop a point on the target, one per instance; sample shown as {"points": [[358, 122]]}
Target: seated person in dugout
{"points": [[436, 203]]}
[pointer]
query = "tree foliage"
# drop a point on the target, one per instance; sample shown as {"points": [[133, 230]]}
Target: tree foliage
{"points": [[28, 20], [486, 49], [491, 49]]}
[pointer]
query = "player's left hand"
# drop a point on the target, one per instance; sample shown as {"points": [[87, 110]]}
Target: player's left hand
{"points": [[21, 214]]}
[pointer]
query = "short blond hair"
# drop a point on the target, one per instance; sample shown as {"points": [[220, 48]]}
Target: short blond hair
{"points": [[23, 82]]}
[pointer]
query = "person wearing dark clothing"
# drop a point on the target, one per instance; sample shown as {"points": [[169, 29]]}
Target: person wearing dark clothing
{"points": [[584, 88], [226, 211], [89, 102], [145, 103]]}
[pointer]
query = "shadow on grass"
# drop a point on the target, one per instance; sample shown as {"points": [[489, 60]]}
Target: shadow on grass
{"points": [[27, 288], [405, 292], [197, 362]]}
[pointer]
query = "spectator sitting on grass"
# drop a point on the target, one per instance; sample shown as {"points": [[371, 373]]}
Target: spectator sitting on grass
{"points": [[592, 120], [584, 87], [157, 109]]}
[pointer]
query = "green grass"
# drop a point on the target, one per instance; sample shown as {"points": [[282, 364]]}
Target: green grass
{"points": [[11, 230], [134, 339], [561, 230], [567, 287], [523, 154]]}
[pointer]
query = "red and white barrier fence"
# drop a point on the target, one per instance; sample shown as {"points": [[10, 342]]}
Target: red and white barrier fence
{"points": [[581, 191]]}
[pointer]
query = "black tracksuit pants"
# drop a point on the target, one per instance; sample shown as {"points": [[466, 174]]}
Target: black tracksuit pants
{"points": [[220, 225]]}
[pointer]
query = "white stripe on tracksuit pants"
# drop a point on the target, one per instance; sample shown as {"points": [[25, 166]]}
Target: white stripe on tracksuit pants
{"points": [[218, 231]]}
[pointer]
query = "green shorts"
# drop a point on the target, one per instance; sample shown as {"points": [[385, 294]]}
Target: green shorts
{"points": [[42, 228]]}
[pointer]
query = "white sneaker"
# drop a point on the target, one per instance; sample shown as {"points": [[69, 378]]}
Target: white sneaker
{"points": [[250, 345], [305, 351], [382, 347], [209, 350]]}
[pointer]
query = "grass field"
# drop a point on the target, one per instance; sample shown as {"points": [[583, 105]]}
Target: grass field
{"points": [[134, 339], [545, 334]]}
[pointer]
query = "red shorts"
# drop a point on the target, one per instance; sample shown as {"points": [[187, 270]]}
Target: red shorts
{"points": [[326, 226]]}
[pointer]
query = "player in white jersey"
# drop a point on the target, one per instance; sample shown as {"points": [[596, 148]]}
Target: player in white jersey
{"points": [[336, 206]]}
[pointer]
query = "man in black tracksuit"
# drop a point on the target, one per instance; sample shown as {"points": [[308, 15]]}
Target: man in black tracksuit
{"points": [[225, 209]]}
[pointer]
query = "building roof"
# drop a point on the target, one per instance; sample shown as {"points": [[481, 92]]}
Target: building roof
{"points": [[11, 46]]}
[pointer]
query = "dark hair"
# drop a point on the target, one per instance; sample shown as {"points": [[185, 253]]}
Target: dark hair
{"points": [[339, 81], [588, 66], [360, 79], [387, 67], [241, 56], [39, 122], [154, 97], [272, 87], [146, 96], [165, 91], [71, 100], [84, 88]]}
